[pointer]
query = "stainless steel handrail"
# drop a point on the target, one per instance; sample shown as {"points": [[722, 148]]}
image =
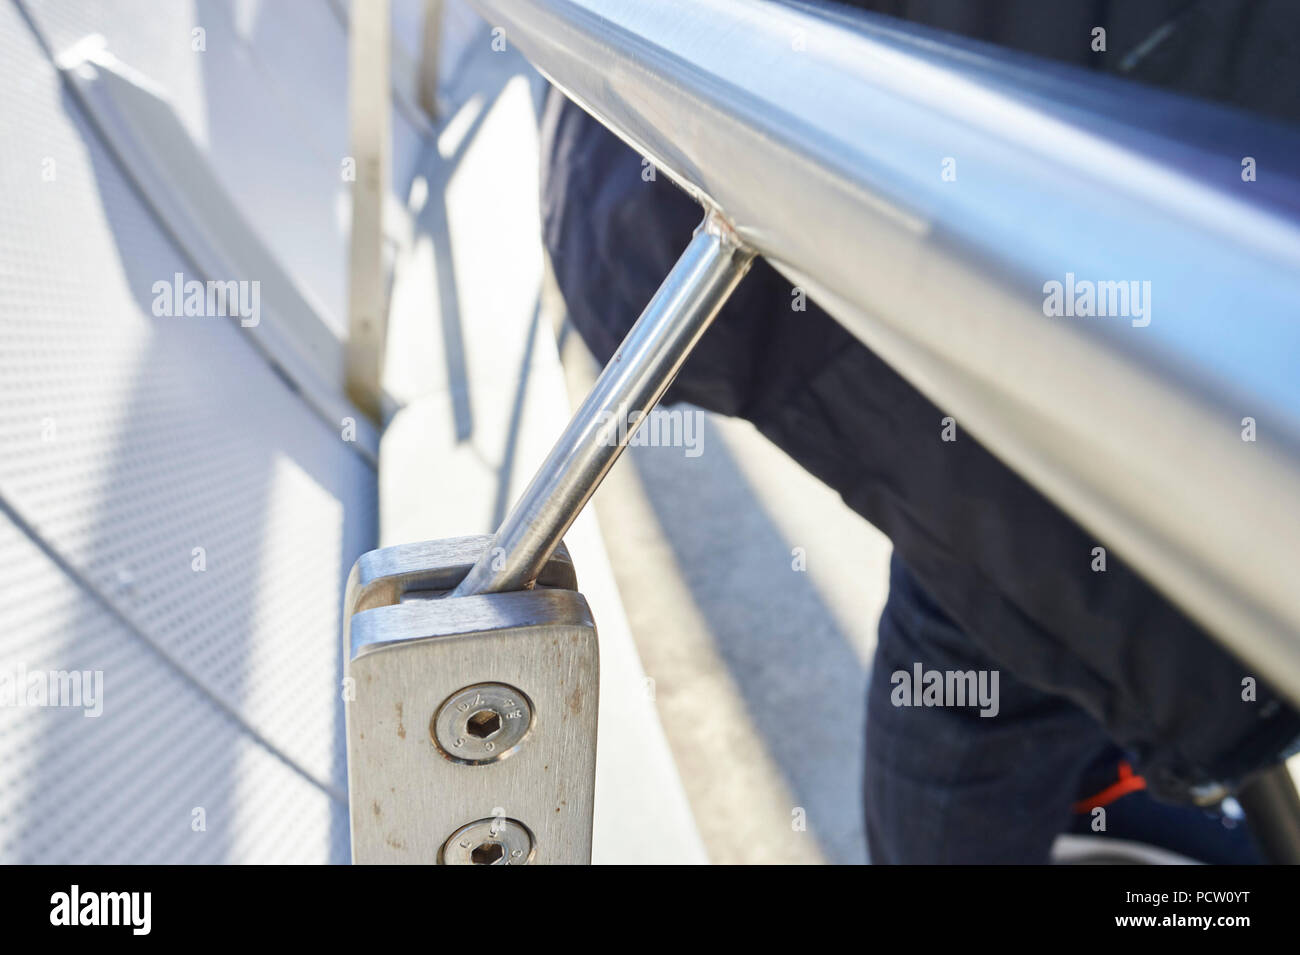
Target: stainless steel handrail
{"points": [[828, 141]]}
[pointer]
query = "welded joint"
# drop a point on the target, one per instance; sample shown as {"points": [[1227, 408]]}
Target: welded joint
{"points": [[715, 223]]}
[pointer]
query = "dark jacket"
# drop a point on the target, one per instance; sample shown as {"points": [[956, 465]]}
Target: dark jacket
{"points": [[995, 554]]}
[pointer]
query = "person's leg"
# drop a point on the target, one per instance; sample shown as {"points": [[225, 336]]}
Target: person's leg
{"points": [[944, 784]]}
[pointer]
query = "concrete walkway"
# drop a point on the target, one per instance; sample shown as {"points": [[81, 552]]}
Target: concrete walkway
{"points": [[759, 669]]}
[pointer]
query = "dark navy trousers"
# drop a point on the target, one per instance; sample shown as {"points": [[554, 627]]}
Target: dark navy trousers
{"points": [[945, 785]]}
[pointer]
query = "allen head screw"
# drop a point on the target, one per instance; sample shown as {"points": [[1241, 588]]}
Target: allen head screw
{"points": [[481, 724]]}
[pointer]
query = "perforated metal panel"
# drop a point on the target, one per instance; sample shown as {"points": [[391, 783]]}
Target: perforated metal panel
{"points": [[128, 441], [162, 775], [266, 98]]}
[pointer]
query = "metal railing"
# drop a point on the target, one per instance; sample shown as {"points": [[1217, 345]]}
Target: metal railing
{"points": [[929, 194], [633, 382]]}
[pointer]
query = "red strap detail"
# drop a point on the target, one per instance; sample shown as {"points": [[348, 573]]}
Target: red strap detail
{"points": [[1128, 782]]}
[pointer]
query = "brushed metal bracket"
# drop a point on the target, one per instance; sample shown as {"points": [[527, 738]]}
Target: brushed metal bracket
{"points": [[471, 721]]}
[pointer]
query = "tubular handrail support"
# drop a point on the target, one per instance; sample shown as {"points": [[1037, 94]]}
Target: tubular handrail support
{"points": [[632, 383]]}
